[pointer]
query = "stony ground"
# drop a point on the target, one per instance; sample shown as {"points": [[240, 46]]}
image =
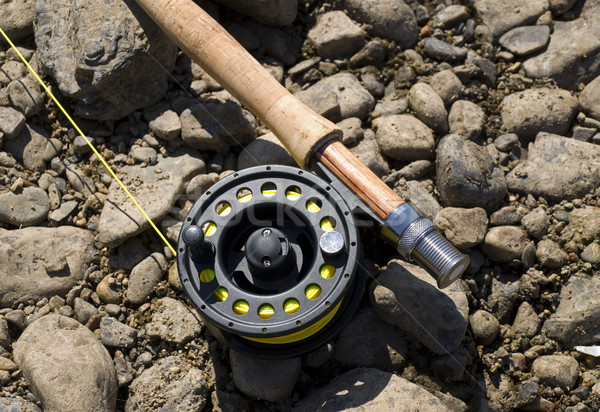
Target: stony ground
{"points": [[484, 113]]}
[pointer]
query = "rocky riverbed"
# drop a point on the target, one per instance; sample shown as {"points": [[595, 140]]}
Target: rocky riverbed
{"points": [[484, 113]]}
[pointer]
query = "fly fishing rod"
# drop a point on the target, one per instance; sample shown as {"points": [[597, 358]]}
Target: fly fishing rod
{"points": [[271, 255]]}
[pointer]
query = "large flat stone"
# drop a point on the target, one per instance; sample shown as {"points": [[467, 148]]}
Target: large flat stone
{"points": [[501, 16], [40, 262]]}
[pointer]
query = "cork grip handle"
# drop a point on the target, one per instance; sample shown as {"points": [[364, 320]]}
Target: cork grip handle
{"points": [[297, 126]]}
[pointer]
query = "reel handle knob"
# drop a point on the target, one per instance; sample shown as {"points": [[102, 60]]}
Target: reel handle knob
{"points": [[200, 248]]}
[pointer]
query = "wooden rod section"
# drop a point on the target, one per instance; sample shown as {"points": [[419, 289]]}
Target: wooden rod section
{"points": [[358, 177]]}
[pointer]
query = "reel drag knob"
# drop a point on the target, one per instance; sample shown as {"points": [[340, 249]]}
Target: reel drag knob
{"points": [[268, 253]]}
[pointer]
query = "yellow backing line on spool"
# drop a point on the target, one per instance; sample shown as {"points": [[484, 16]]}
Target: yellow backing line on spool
{"points": [[301, 334], [62, 109]]}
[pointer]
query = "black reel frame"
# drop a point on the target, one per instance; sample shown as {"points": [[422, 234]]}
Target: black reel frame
{"points": [[271, 258]]}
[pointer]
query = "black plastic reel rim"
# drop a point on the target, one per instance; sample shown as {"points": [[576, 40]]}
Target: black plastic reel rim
{"points": [[270, 197]]}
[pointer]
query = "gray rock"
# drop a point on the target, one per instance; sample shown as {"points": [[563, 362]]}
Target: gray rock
{"points": [[120, 219], [94, 52], [173, 322], [42, 262], [281, 45], [350, 95], [500, 17], [503, 299], [404, 137], [527, 322], [506, 142], [106, 291], [53, 149], [467, 176], [172, 384], [264, 150], [527, 393], [166, 126], [451, 16], [558, 7], [584, 134], [572, 56], [504, 243], [556, 370], [591, 253], [368, 341], [79, 181], [420, 197], [390, 104], [366, 389], [270, 12], [336, 36], [144, 277], [65, 366], [367, 151], [11, 122], [525, 40], [116, 334], [352, 130], [531, 111], [536, 223], [507, 215], [406, 296], [267, 379], [465, 228], [17, 405], [413, 171], [26, 96], [17, 19], [83, 310], [485, 327], [452, 366], [200, 184], [429, 107], [124, 369], [550, 254], [444, 52], [28, 147], [557, 168], [392, 20], [216, 124], [224, 401], [589, 99], [372, 83], [584, 224], [447, 85], [128, 254], [143, 154], [372, 54], [65, 210], [5, 339], [577, 317], [466, 119], [25, 207]]}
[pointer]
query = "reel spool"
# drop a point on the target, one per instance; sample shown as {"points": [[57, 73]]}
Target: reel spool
{"points": [[270, 256]]}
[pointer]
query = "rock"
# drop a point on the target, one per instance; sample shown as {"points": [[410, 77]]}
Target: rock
{"points": [[451, 16], [166, 126], [173, 322], [26, 96], [5, 339], [11, 122], [500, 17], [17, 19], [532, 111], [503, 299], [28, 147], [536, 223], [404, 137], [467, 176], [200, 184], [577, 317], [124, 369], [53, 149], [420, 197], [80, 182], [447, 85], [527, 393], [96, 55], [550, 254], [336, 36], [270, 12], [366, 389], [556, 370], [571, 57], [465, 228], [144, 277], [506, 216], [347, 92], [267, 379], [442, 51], [25, 207], [450, 367], [172, 384], [372, 83], [429, 107], [367, 151], [65, 366], [591, 253], [393, 20], [526, 322], [116, 334], [143, 154], [589, 99], [17, 405], [558, 7], [83, 310], [120, 219], [406, 296], [557, 168], [504, 243], [584, 223], [215, 124], [391, 104], [42, 262], [105, 291], [525, 40], [65, 210], [229, 402], [370, 342], [506, 142], [372, 54], [414, 171], [351, 129], [466, 119], [264, 150], [128, 254], [485, 327], [281, 45]]}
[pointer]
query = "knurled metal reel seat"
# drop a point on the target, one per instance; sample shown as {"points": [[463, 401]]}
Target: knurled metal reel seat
{"points": [[270, 256]]}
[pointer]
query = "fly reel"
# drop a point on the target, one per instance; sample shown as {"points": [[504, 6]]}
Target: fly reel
{"points": [[270, 256]]}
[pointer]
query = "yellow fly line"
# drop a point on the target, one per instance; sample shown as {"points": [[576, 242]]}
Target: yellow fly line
{"points": [[62, 109]]}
